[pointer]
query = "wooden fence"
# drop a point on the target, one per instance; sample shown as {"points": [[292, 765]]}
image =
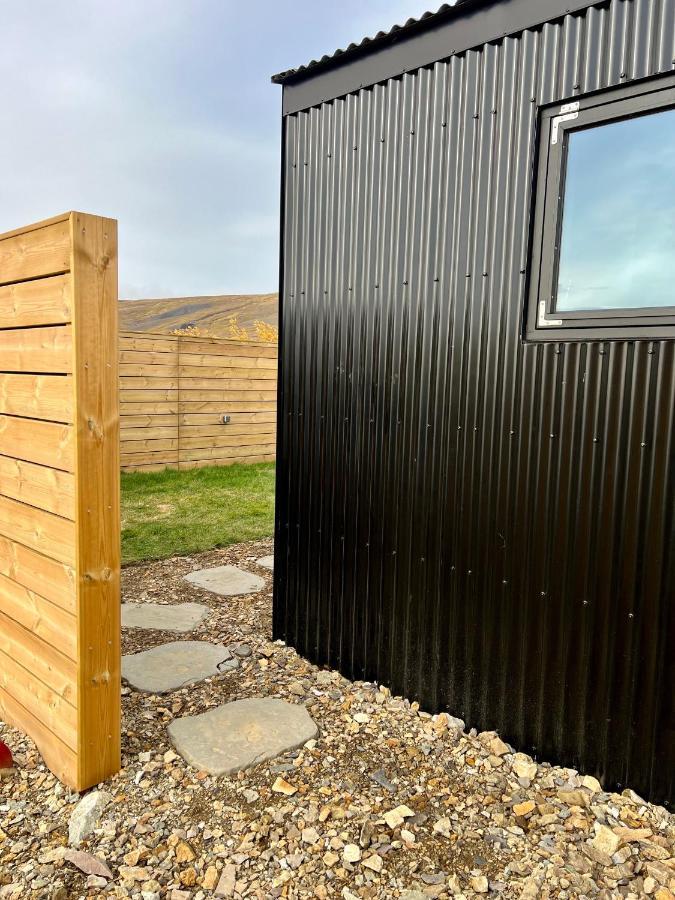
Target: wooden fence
{"points": [[59, 493], [175, 391]]}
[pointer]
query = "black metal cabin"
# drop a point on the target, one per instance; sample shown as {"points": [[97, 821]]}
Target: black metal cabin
{"points": [[477, 374]]}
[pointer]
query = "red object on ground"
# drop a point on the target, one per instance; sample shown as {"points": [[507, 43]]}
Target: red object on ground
{"points": [[6, 761]]}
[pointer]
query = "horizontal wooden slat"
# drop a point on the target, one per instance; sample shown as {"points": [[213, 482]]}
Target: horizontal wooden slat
{"points": [[225, 407], [35, 253], [42, 302], [205, 418], [217, 347], [159, 466], [147, 396], [149, 444], [206, 361], [167, 371], [187, 395], [49, 622], [234, 428], [46, 662], [147, 357], [152, 344], [220, 453], [227, 461], [39, 530], [135, 383], [228, 384], [50, 579], [229, 368], [44, 703], [149, 407], [46, 443], [48, 489], [60, 758], [47, 397], [47, 349], [148, 421], [226, 440], [150, 432]]}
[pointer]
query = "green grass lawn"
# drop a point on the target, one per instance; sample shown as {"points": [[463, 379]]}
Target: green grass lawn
{"points": [[173, 513]]}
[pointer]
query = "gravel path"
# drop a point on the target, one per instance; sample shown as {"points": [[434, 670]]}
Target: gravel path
{"points": [[388, 802]]}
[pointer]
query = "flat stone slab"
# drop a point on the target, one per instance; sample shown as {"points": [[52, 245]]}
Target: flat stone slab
{"points": [[267, 562], [171, 666], [227, 581], [239, 735], [182, 617]]}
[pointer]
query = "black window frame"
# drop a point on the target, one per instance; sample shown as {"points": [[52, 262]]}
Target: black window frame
{"points": [[542, 321]]}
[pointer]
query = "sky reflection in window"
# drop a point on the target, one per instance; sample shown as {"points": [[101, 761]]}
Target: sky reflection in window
{"points": [[618, 237]]}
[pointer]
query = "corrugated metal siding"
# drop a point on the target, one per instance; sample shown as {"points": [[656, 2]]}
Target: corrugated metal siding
{"points": [[484, 525]]}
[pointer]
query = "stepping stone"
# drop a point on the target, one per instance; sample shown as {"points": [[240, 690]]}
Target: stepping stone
{"points": [[267, 562], [239, 735], [228, 581], [170, 666], [181, 617]]}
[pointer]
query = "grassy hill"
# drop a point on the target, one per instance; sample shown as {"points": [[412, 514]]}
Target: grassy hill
{"points": [[166, 315]]}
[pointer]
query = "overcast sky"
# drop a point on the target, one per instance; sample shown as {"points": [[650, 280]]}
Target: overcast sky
{"points": [[160, 113]]}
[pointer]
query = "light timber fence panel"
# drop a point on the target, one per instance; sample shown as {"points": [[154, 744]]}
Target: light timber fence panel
{"points": [[175, 390], [59, 493]]}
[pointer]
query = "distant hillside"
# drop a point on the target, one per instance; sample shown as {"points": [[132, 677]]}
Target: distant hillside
{"points": [[210, 313]]}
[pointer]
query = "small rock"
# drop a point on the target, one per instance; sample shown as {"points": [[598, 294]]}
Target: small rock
{"points": [[605, 840], [86, 814], [88, 863], [242, 650], [296, 688], [524, 809], [592, 784], [523, 766], [443, 827], [210, 879], [361, 718], [351, 853], [396, 817], [380, 778], [373, 862], [479, 884], [184, 853], [228, 880], [281, 786], [310, 835]]}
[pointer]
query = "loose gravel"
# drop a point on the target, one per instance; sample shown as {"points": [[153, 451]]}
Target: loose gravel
{"points": [[387, 801]]}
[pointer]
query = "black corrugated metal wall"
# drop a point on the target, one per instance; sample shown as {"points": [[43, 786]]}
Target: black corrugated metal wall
{"points": [[485, 526]]}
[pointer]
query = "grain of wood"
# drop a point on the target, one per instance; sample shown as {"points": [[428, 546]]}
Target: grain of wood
{"points": [[46, 397], [39, 252], [52, 710], [61, 758], [39, 486], [50, 535], [59, 493], [94, 274], [48, 621], [42, 659], [47, 443], [48, 349], [46, 301], [37, 573]]}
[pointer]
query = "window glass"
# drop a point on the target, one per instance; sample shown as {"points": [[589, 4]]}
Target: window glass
{"points": [[618, 231]]}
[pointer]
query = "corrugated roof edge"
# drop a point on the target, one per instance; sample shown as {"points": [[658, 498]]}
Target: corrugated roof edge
{"points": [[426, 20]]}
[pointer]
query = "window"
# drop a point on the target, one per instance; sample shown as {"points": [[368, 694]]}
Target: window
{"points": [[603, 256]]}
